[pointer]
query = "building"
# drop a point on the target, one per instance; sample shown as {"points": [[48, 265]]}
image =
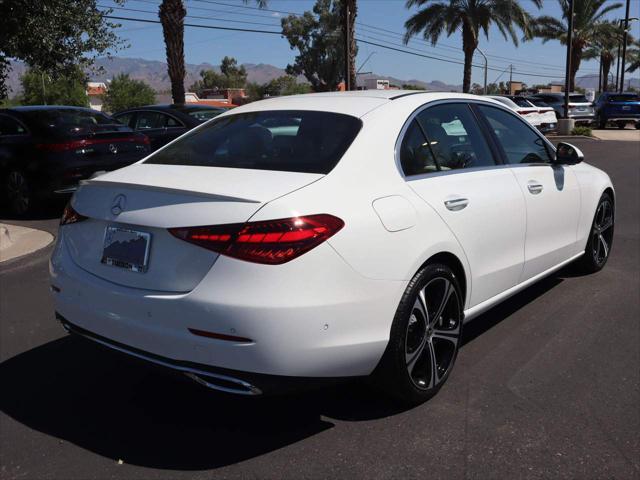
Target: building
{"points": [[376, 84], [192, 98], [95, 91]]}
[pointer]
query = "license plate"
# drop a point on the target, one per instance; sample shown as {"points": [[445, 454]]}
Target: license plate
{"points": [[581, 109], [128, 249], [626, 107]]}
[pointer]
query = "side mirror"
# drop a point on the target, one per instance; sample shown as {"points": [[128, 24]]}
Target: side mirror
{"points": [[567, 154]]}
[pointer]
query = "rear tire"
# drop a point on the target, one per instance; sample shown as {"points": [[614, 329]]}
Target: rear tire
{"points": [[425, 337], [19, 193], [602, 122], [637, 125], [600, 240]]}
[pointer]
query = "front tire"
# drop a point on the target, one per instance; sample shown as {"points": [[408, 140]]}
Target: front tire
{"points": [[425, 337], [600, 241], [602, 122]]}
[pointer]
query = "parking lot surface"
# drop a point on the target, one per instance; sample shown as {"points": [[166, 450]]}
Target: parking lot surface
{"points": [[547, 385]]}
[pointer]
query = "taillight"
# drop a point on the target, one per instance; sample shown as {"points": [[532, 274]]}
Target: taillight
{"points": [[71, 216], [272, 241], [144, 139]]}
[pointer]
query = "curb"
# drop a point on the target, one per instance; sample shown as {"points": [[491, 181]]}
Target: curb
{"points": [[16, 241]]}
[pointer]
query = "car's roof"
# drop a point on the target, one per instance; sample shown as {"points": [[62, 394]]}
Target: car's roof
{"points": [[30, 108], [355, 103]]}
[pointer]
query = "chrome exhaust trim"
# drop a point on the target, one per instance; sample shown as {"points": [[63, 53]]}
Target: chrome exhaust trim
{"points": [[207, 379]]}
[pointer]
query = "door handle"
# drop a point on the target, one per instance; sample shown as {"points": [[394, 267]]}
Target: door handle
{"points": [[456, 204], [534, 187]]}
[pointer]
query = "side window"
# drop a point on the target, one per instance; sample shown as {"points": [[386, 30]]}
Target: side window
{"points": [[148, 120], [125, 118], [520, 143], [172, 122], [454, 136], [9, 126], [415, 157]]}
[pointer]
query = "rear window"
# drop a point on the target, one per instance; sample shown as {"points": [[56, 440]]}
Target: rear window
{"points": [[521, 102], [625, 98], [538, 102], [71, 121], [294, 141], [204, 114], [578, 99]]}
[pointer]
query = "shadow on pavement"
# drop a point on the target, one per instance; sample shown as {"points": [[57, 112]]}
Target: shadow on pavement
{"points": [[51, 209], [104, 402]]}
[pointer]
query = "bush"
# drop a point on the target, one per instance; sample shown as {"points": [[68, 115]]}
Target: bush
{"points": [[124, 92], [583, 131]]}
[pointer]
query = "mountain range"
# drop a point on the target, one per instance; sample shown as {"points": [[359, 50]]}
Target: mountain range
{"points": [[154, 73]]}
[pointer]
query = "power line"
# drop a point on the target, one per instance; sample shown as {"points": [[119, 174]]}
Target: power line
{"points": [[145, 20]]}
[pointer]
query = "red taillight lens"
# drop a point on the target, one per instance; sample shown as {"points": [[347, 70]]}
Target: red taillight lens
{"points": [[272, 242], [71, 216]]}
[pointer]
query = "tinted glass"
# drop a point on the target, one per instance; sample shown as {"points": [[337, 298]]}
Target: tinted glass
{"points": [[521, 102], [125, 118], [578, 99], [205, 114], [537, 102], [72, 121], [415, 157], [520, 142], [9, 126], [148, 120], [295, 141], [455, 137], [172, 122], [628, 97]]}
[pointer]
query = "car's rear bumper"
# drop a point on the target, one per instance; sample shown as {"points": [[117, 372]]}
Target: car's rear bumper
{"points": [[623, 118], [312, 317]]}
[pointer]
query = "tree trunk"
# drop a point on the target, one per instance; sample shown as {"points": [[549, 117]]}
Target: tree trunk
{"points": [[576, 57], [172, 13], [469, 44], [352, 6], [606, 67]]}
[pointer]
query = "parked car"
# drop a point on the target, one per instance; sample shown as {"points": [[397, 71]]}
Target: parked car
{"points": [[47, 150], [544, 119], [580, 108], [309, 237], [163, 123], [548, 117], [620, 108]]}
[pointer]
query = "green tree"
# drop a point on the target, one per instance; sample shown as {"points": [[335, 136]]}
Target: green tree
{"points": [[633, 57], [411, 86], [172, 13], [38, 88], [278, 87], [318, 38], [125, 92], [54, 36], [472, 17], [231, 76], [586, 22]]}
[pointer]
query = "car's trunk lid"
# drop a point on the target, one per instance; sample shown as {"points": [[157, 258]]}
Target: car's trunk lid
{"points": [[152, 198]]}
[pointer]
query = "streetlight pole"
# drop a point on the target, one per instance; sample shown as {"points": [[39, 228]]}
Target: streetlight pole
{"points": [[486, 67], [618, 58]]}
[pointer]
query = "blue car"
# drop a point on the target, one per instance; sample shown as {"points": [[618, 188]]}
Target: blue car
{"points": [[620, 108]]}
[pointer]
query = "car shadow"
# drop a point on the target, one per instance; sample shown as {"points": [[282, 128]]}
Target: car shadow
{"points": [[51, 209], [104, 402]]}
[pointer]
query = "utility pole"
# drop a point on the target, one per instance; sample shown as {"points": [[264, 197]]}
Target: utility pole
{"points": [[624, 45], [44, 93], [347, 47], [510, 77], [600, 89]]}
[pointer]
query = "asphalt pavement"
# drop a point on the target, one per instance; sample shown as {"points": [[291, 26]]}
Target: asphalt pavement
{"points": [[547, 385]]}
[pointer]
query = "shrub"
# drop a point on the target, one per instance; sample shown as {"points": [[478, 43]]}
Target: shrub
{"points": [[583, 131]]}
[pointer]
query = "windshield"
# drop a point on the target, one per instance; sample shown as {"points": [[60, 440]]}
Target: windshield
{"points": [[628, 97], [294, 141]]}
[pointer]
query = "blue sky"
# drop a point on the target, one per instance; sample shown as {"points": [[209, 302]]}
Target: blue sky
{"points": [[376, 20]]}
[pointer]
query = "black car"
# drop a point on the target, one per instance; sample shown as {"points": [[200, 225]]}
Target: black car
{"points": [[163, 123], [47, 150]]}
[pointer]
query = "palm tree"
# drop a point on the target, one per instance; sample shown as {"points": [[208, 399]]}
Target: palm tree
{"points": [[586, 17], [471, 16], [633, 57], [606, 39], [172, 13]]}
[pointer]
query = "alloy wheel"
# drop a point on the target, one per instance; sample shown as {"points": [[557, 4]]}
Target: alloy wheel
{"points": [[18, 192], [433, 333], [602, 232]]}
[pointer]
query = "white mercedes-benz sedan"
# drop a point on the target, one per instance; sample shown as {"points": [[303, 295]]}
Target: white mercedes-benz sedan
{"points": [[325, 236]]}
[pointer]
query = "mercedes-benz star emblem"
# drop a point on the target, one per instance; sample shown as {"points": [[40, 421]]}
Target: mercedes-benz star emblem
{"points": [[113, 148], [119, 204]]}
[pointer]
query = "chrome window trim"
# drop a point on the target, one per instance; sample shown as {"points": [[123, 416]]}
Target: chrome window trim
{"points": [[466, 101], [144, 110]]}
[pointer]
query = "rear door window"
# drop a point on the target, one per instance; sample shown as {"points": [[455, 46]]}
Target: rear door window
{"points": [[296, 141], [150, 120]]}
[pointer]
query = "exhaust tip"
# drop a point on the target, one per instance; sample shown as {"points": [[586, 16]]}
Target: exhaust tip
{"points": [[224, 384]]}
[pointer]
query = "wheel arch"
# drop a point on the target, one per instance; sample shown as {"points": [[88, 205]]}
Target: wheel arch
{"points": [[452, 261]]}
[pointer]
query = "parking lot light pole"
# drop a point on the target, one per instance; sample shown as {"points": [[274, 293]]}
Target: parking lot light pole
{"points": [[565, 124], [486, 67]]}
